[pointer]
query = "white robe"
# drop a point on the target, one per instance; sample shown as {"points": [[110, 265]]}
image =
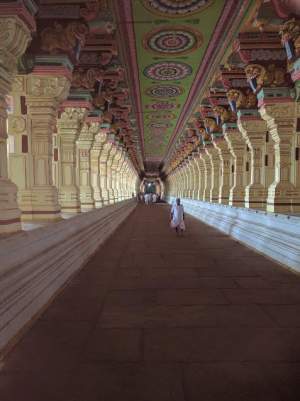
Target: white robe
{"points": [[177, 217]]}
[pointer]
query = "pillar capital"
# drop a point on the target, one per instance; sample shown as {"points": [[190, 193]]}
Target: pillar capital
{"points": [[41, 88]]}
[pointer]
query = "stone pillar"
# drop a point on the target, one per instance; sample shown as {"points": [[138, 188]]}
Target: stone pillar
{"points": [[97, 145], [253, 130], [105, 171], [68, 128], [195, 177], [202, 176], [15, 36], [118, 175], [215, 162], [279, 113], [225, 167], [110, 173], [237, 147], [84, 148], [207, 170], [122, 176], [44, 96], [19, 135], [189, 175]]}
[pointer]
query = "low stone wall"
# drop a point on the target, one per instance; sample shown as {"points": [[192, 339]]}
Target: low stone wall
{"points": [[34, 265], [275, 235]]}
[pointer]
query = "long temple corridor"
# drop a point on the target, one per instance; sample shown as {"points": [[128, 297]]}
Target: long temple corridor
{"points": [[120, 119], [158, 317]]}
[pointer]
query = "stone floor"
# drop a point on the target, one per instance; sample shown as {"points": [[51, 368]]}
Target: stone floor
{"points": [[156, 317]]}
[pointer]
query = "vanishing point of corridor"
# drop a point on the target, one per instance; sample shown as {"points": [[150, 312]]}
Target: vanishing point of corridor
{"points": [[156, 317]]}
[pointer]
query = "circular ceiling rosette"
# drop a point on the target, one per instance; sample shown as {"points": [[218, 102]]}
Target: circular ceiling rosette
{"points": [[176, 41], [176, 8], [164, 91], [168, 71]]}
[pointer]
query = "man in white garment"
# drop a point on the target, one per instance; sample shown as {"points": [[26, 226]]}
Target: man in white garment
{"points": [[154, 198], [177, 217]]}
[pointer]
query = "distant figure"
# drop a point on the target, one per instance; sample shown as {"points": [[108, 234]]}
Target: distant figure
{"points": [[154, 198], [148, 199], [177, 217]]}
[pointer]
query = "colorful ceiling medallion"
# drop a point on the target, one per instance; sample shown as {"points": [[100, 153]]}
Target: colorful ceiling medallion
{"points": [[168, 71], [164, 91], [160, 116], [176, 41], [176, 8], [162, 106]]}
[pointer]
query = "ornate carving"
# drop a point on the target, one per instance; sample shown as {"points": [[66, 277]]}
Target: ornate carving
{"points": [[87, 78], [14, 37], [261, 76], [290, 37], [64, 38], [211, 124], [225, 115], [16, 125], [242, 100], [73, 114], [48, 87]]}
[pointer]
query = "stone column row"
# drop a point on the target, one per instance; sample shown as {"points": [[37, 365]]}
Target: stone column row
{"points": [[254, 163]]}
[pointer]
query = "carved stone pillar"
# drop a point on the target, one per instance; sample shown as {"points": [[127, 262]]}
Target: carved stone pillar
{"points": [[69, 126], [105, 171], [97, 145], [283, 196], [44, 95], [15, 35], [207, 180], [118, 173], [202, 176], [84, 145], [215, 162], [110, 173], [121, 190], [237, 147], [188, 169], [195, 177], [225, 168], [254, 131]]}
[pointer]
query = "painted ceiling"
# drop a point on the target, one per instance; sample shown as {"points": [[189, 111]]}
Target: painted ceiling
{"points": [[170, 40]]}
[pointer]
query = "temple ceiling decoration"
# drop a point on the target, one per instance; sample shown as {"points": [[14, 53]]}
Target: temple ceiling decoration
{"points": [[166, 42]]}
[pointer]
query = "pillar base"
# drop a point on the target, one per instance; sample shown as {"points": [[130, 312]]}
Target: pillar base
{"points": [[214, 196], [223, 200], [105, 197], [237, 197], [283, 198], [69, 200], [86, 199], [10, 214], [255, 197], [40, 204]]}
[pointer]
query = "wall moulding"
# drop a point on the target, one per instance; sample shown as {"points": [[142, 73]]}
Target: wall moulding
{"points": [[35, 265], [274, 235]]}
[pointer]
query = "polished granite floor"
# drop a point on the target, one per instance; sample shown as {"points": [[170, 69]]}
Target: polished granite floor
{"points": [[157, 317]]}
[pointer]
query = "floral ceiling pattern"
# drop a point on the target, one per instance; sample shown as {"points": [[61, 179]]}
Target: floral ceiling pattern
{"points": [[170, 39]]}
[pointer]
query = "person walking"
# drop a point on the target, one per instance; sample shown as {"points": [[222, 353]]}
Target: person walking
{"points": [[177, 217]]}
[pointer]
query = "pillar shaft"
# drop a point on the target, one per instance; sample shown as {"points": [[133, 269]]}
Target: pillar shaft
{"points": [[15, 37], [97, 145], [254, 130], [283, 196], [237, 148], [69, 126], [84, 146]]}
